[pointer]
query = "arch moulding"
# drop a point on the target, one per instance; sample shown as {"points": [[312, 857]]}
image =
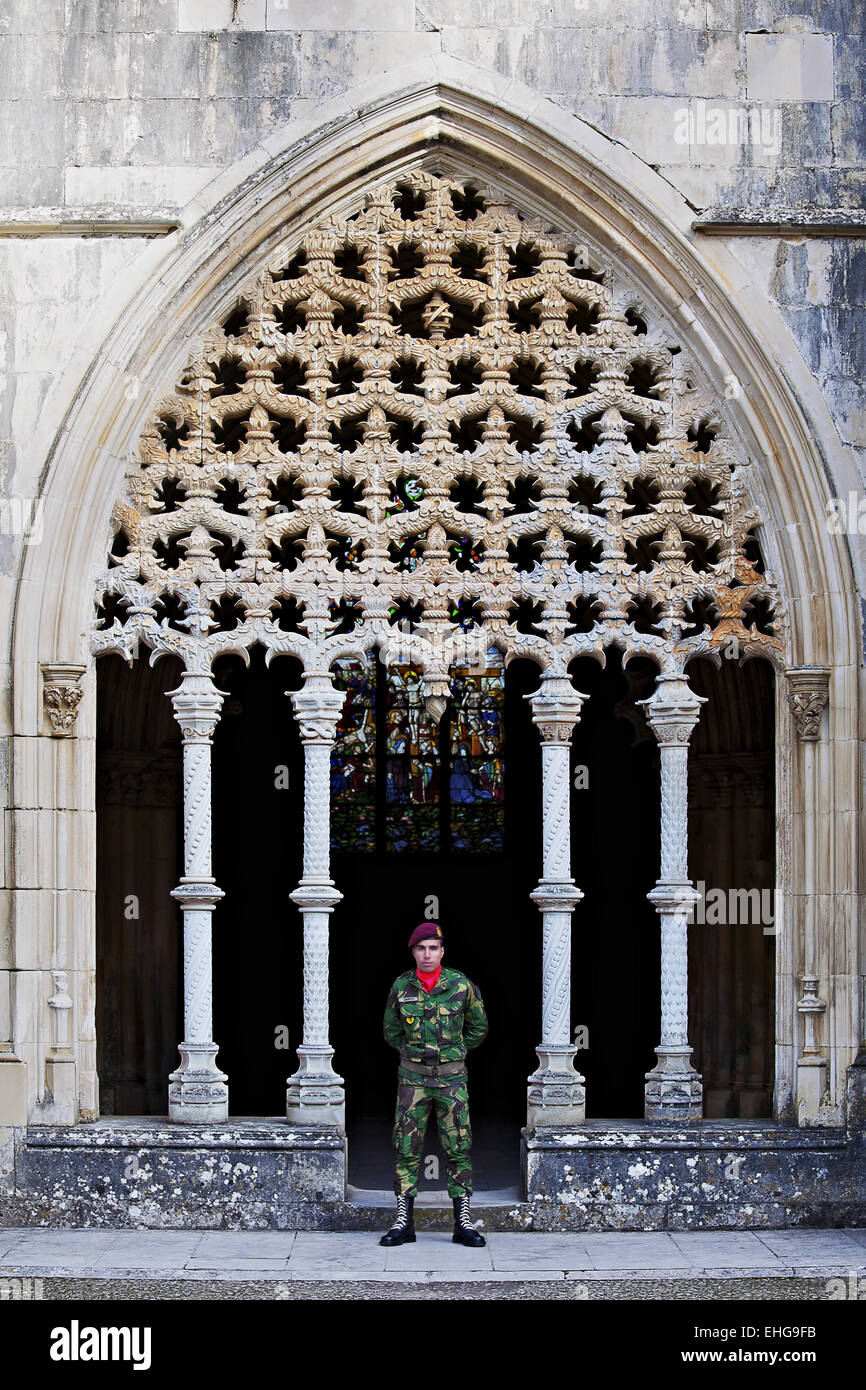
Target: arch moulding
{"points": [[456, 117]]}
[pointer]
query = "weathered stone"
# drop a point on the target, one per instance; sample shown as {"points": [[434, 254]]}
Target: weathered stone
{"points": [[790, 67]]}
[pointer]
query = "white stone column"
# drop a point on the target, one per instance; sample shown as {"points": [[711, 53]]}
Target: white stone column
{"points": [[673, 1090], [556, 1093], [808, 691], [315, 1093], [197, 1093]]}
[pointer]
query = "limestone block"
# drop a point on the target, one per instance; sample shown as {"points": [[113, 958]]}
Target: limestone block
{"points": [[96, 68], [649, 126], [33, 927], [6, 958], [789, 67], [13, 1092], [34, 125], [704, 65], [54, 848], [332, 62], [805, 135], [31, 69], [250, 65], [52, 773], [30, 991], [324, 15], [807, 325], [848, 66], [847, 400], [106, 132], [16, 17], [171, 133], [207, 16], [164, 65], [847, 119], [698, 183], [849, 272], [230, 128], [480, 14], [503, 50], [100, 16]]}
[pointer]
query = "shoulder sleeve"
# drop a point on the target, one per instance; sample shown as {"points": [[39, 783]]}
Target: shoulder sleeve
{"points": [[474, 1018], [392, 1026]]}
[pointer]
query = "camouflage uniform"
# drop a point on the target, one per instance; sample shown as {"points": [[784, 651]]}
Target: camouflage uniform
{"points": [[433, 1032]]}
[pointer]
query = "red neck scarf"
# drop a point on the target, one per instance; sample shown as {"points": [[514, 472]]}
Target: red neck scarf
{"points": [[427, 982]]}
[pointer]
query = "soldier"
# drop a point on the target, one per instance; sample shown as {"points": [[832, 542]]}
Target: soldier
{"points": [[433, 1017]]}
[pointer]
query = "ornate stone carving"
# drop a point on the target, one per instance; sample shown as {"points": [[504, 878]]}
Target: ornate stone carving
{"points": [[61, 696], [808, 692], [197, 1092], [315, 1095], [673, 1090], [556, 1092], [436, 419]]}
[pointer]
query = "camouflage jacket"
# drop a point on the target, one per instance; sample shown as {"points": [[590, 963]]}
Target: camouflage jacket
{"points": [[441, 1026]]}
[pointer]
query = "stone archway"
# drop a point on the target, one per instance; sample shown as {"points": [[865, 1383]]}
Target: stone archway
{"points": [[52, 608], [438, 428]]}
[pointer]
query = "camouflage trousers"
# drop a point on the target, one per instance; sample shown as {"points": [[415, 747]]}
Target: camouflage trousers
{"points": [[450, 1098]]}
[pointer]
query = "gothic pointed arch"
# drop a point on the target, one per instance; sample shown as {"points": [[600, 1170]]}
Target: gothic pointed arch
{"points": [[787, 460]]}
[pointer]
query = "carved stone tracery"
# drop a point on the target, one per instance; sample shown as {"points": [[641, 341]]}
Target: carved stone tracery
{"points": [[440, 414]]}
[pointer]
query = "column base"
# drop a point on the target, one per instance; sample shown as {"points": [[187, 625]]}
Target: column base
{"points": [[673, 1092], [811, 1085], [60, 1082], [13, 1090], [197, 1093], [315, 1095], [556, 1093]]}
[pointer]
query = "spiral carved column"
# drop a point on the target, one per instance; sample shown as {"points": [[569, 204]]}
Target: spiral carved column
{"points": [[315, 1093], [673, 1090], [556, 1093], [197, 1092]]}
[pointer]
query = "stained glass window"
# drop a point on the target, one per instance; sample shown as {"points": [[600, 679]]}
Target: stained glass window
{"points": [[477, 765], [439, 787], [353, 760], [411, 765]]}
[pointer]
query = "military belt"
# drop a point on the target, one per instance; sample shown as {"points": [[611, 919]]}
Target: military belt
{"points": [[442, 1069]]}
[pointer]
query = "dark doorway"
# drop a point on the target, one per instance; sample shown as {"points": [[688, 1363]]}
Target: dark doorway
{"points": [[139, 969], [732, 941], [615, 862], [258, 958], [491, 932]]}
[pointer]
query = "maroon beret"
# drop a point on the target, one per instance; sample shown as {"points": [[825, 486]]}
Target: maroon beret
{"points": [[427, 931]]}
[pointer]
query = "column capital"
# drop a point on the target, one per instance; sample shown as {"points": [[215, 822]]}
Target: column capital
{"points": [[808, 692], [61, 695], [556, 707], [317, 707], [197, 703], [673, 709]]}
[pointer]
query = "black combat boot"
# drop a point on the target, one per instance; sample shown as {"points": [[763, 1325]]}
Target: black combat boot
{"points": [[403, 1230], [464, 1232]]}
